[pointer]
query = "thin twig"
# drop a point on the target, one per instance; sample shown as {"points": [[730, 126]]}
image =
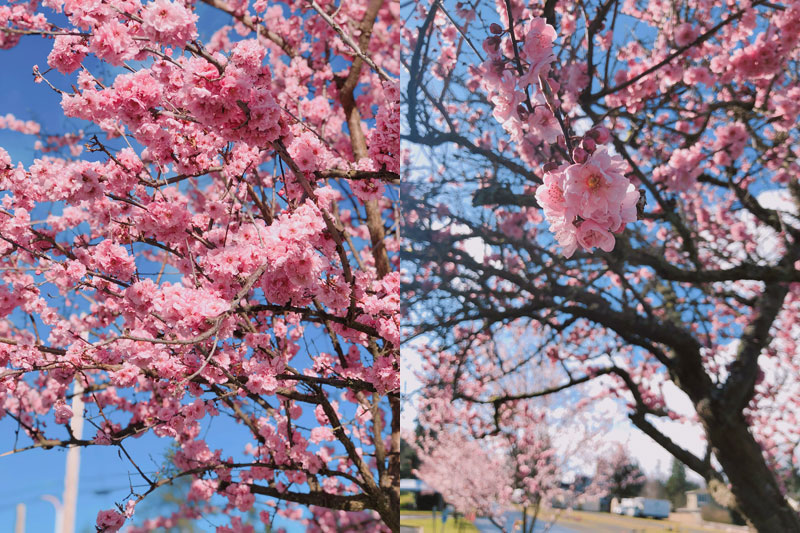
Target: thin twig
{"points": [[350, 42]]}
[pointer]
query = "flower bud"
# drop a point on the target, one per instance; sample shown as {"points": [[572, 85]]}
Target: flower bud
{"points": [[588, 144], [601, 134], [579, 155], [495, 28], [493, 42]]}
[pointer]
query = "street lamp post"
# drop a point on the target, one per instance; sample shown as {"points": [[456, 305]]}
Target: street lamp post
{"points": [[59, 508]]}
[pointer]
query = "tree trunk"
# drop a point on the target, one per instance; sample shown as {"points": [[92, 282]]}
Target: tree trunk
{"points": [[388, 508], [757, 494]]}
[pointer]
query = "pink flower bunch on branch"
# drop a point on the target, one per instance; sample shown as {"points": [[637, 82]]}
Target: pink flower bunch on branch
{"points": [[585, 202]]}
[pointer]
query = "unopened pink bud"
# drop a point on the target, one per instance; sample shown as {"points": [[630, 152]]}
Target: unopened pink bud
{"points": [[602, 135], [579, 155]]}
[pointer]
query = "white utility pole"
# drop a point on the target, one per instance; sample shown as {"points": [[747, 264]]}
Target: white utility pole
{"points": [[70, 498], [19, 527]]}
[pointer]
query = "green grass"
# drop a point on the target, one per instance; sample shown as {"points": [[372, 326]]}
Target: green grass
{"points": [[406, 500], [460, 525]]}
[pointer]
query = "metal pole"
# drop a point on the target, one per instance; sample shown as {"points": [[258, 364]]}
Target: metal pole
{"points": [[19, 527], [71, 475]]}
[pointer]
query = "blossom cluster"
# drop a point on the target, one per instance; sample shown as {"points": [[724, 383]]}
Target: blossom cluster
{"points": [[508, 80], [586, 203], [384, 148]]}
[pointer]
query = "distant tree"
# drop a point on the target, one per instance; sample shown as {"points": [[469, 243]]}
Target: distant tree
{"points": [[409, 460], [622, 485], [677, 485], [487, 456], [470, 476], [623, 477]]}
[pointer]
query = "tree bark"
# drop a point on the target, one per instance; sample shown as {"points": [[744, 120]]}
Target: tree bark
{"points": [[389, 510], [755, 490]]}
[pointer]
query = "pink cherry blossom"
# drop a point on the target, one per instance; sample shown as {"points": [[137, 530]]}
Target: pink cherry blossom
{"points": [[169, 22], [596, 189], [63, 413], [593, 235], [596, 192], [68, 53], [544, 124], [112, 42], [110, 520], [685, 33], [114, 259], [538, 49]]}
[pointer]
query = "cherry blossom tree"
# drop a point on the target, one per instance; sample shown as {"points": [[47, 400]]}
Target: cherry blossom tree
{"points": [[624, 478], [216, 239], [622, 177], [517, 454], [469, 477]]}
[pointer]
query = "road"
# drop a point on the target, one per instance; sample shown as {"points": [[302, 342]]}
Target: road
{"points": [[484, 525], [584, 522]]}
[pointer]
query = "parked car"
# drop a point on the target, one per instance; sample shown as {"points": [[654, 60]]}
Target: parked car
{"points": [[643, 507]]}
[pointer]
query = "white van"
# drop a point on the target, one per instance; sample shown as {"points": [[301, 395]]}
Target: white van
{"points": [[643, 507]]}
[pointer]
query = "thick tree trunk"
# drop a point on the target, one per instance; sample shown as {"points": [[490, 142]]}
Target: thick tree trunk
{"points": [[757, 494], [388, 508]]}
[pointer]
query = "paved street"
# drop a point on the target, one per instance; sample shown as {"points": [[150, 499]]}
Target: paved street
{"points": [[585, 522], [485, 526]]}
